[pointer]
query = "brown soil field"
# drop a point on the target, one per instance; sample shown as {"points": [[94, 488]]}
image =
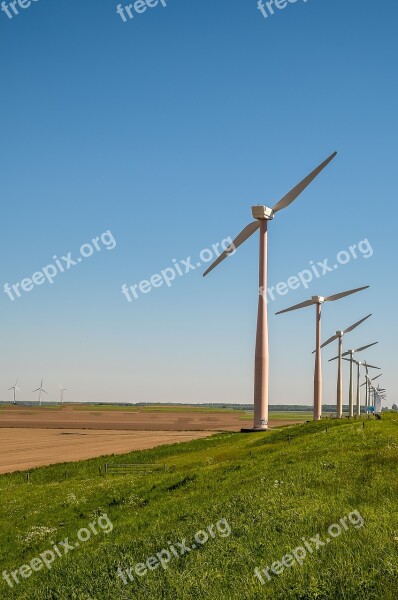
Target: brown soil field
{"points": [[33, 436], [22, 449], [73, 417], [79, 417]]}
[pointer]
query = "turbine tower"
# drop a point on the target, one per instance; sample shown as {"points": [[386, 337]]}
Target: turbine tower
{"points": [[263, 214], [339, 336], [318, 301], [62, 389], [351, 353], [15, 389], [40, 390]]}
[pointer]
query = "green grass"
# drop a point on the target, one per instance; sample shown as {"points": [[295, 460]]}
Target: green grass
{"points": [[271, 493]]}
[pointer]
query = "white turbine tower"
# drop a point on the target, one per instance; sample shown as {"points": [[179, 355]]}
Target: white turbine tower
{"points": [[62, 389], [40, 390], [15, 389]]}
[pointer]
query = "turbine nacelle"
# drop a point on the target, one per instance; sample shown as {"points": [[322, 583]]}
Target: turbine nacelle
{"points": [[318, 299], [262, 213]]}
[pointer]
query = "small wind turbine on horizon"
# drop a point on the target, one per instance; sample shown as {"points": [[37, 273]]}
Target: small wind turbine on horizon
{"points": [[40, 390], [262, 214], [62, 389], [15, 389], [351, 353], [318, 301], [339, 336]]}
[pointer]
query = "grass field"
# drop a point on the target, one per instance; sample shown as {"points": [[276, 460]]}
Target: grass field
{"points": [[270, 493]]}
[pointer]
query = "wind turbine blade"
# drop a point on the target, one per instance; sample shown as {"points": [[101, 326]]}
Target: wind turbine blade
{"points": [[377, 376], [38, 390], [343, 355], [44, 392], [238, 241], [344, 294], [356, 324], [17, 388], [296, 191], [365, 347], [329, 341], [296, 307], [372, 367]]}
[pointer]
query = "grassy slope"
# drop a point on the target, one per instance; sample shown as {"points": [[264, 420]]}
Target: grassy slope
{"points": [[325, 477]]}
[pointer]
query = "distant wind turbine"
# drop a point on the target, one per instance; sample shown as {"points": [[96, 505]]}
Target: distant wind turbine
{"points": [[263, 214], [40, 390], [318, 301], [359, 365], [62, 389], [367, 367], [351, 353], [339, 336], [370, 387], [15, 389]]}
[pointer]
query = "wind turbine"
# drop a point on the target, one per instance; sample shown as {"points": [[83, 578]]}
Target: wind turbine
{"points": [[359, 365], [62, 393], [367, 367], [15, 389], [263, 214], [369, 387], [339, 336], [40, 390], [318, 301], [351, 353]]}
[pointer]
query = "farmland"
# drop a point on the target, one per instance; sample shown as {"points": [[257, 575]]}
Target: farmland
{"points": [[273, 490]]}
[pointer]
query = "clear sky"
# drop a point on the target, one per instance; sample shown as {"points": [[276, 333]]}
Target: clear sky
{"points": [[163, 130]]}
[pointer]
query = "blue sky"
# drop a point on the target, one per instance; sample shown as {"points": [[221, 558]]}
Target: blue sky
{"points": [[164, 130]]}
